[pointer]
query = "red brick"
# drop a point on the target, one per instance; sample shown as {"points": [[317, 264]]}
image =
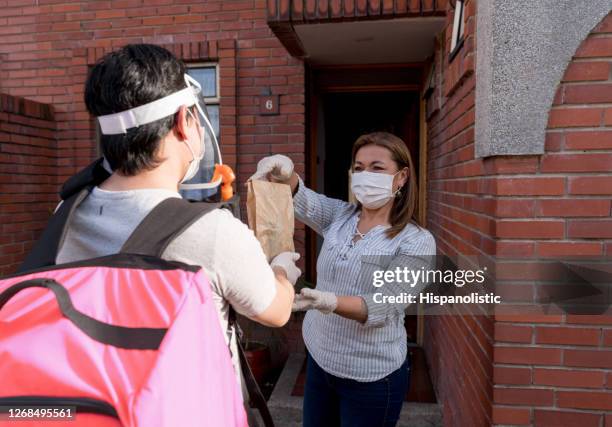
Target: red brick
{"points": [[511, 376], [511, 164], [573, 207], [512, 333], [512, 249], [575, 117], [66, 26], [323, 9], [584, 319], [588, 358], [511, 416], [188, 19], [553, 141], [593, 185], [568, 336], [515, 208], [523, 396], [556, 418], [527, 355], [588, 93], [111, 13], [594, 229], [587, 71], [589, 140], [607, 337], [157, 20], [594, 47], [561, 249], [529, 229], [608, 117], [528, 186], [414, 6], [568, 378], [586, 162], [585, 400]]}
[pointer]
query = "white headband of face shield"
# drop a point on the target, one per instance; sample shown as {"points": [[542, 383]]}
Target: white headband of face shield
{"points": [[119, 123]]}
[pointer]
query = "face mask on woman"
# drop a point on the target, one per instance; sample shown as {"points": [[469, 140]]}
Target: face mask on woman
{"points": [[372, 189]]}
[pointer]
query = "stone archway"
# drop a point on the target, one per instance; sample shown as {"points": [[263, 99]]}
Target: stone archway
{"points": [[523, 49]]}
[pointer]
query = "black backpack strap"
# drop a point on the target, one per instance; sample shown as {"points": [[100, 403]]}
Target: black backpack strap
{"points": [[45, 250], [168, 220], [105, 333], [255, 396], [92, 175], [163, 224]]}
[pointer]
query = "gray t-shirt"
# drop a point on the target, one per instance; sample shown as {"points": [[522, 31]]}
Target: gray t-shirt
{"points": [[222, 245]]}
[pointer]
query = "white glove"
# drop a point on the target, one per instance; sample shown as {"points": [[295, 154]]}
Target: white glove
{"points": [[279, 166], [308, 299], [286, 261]]}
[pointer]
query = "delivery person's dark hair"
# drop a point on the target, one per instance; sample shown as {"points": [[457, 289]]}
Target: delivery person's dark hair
{"points": [[404, 209], [132, 76]]}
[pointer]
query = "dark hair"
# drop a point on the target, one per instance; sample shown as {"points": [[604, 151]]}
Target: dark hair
{"points": [[129, 77], [404, 207]]}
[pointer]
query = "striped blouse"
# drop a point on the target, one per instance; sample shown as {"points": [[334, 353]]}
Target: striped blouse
{"points": [[343, 347]]}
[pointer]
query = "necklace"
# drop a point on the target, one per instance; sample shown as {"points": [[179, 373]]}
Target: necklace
{"points": [[359, 233]]}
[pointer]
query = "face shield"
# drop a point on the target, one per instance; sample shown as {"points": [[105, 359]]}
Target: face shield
{"points": [[202, 185]]}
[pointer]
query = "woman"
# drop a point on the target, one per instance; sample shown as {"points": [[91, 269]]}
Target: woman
{"points": [[358, 370]]}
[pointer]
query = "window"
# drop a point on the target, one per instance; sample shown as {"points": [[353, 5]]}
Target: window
{"points": [[207, 74], [457, 35]]}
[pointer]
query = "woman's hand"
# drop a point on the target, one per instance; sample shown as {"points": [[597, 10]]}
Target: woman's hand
{"points": [[277, 168], [308, 299]]}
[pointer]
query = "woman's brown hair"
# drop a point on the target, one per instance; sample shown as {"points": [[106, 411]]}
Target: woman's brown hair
{"points": [[404, 207]]}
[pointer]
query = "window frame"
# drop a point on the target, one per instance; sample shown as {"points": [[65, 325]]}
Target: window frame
{"points": [[209, 64], [457, 36]]}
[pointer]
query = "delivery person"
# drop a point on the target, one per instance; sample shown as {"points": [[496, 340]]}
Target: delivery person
{"points": [[153, 137], [357, 369]]}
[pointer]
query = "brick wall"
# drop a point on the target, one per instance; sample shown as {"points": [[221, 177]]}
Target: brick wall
{"points": [[459, 348], [522, 370], [27, 176], [556, 370], [46, 47]]}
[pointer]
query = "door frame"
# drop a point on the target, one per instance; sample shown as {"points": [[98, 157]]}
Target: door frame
{"points": [[314, 90]]}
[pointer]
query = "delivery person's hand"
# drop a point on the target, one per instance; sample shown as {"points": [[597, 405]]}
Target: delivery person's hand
{"points": [[277, 168], [286, 261], [308, 299]]}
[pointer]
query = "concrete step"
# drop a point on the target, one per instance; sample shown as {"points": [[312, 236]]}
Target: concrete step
{"points": [[287, 409]]}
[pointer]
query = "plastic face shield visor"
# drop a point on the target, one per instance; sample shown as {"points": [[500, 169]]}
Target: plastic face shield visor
{"points": [[119, 123]]}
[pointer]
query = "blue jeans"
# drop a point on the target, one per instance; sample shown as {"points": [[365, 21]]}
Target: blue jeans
{"points": [[330, 401]]}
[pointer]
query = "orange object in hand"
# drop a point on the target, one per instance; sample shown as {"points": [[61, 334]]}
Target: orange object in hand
{"points": [[227, 178]]}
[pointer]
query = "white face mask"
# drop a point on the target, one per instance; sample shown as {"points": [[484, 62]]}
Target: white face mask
{"points": [[373, 190], [194, 165]]}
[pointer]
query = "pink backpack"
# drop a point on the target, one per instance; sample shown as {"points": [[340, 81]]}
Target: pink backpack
{"points": [[123, 340]]}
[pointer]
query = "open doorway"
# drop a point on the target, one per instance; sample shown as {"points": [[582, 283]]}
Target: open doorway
{"points": [[346, 116], [344, 104]]}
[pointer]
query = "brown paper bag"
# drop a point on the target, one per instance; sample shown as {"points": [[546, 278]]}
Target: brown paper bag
{"points": [[270, 216]]}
